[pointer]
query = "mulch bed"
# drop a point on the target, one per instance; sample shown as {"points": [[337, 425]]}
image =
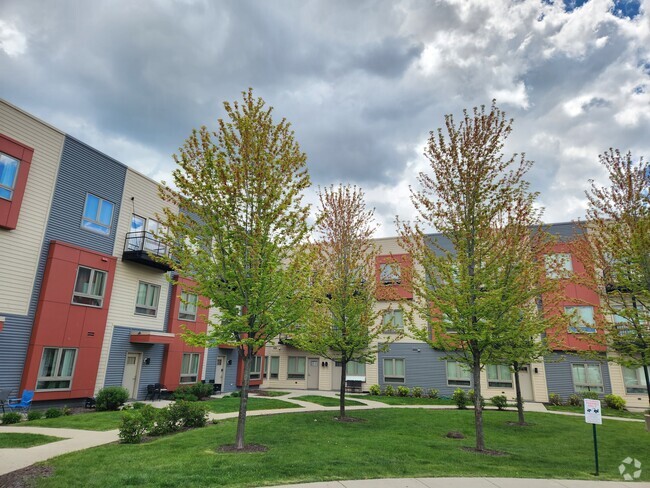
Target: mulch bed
{"points": [[23, 478], [247, 448], [349, 419], [486, 452]]}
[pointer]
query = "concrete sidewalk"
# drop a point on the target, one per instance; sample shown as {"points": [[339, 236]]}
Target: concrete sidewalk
{"points": [[466, 483]]}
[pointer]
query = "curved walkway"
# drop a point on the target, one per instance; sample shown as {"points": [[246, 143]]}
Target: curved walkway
{"points": [[466, 483]]}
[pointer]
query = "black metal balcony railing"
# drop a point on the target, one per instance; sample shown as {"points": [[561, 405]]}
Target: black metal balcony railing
{"points": [[142, 247]]}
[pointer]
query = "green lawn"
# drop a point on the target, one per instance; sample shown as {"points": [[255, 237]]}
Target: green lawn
{"points": [[83, 421], [18, 439], [327, 401], [269, 393], [395, 400], [230, 404], [610, 412], [392, 443]]}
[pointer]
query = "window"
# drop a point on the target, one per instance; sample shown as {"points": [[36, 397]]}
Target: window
{"points": [[558, 265], [146, 303], [57, 366], [296, 367], [356, 369], [393, 370], [187, 310], [458, 374], [190, 368], [98, 215], [89, 287], [136, 240], [587, 377], [256, 368], [389, 273], [499, 376], [8, 175], [272, 362], [634, 380], [393, 320], [582, 318]]}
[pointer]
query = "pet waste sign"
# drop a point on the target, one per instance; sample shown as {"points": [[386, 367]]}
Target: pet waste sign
{"points": [[593, 416]]}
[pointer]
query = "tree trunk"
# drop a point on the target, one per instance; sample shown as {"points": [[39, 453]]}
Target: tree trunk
{"points": [[520, 400], [342, 390], [243, 402], [478, 409], [647, 375]]}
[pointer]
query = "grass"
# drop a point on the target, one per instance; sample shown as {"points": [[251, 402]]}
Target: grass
{"points": [[13, 440], [609, 412], [231, 404], [327, 401], [83, 421], [269, 393], [396, 400], [392, 443]]}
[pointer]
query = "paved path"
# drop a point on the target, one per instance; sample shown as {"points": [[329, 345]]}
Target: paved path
{"points": [[467, 483]]}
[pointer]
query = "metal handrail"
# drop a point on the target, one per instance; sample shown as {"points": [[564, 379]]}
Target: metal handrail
{"points": [[144, 241]]}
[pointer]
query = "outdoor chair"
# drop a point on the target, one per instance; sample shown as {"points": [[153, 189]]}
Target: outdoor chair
{"points": [[160, 389], [4, 396], [21, 404], [151, 392]]}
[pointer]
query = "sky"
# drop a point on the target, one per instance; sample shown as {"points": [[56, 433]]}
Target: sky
{"points": [[362, 82]]}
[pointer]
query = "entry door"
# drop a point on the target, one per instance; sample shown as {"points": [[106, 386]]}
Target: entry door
{"points": [[220, 373], [525, 381], [336, 376], [131, 377], [312, 374]]}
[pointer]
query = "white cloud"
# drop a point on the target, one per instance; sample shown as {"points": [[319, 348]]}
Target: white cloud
{"points": [[12, 41]]}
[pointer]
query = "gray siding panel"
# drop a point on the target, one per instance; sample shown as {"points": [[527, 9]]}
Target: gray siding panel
{"points": [[559, 377], [14, 340], [231, 369]]}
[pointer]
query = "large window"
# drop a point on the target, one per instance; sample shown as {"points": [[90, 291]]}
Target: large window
{"points": [[8, 176], [146, 303], [458, 374], [98, 215], [558, 265], [187, 310], [499, 376], [587, 377], [190, 367], [57, 367], [89, 287], [296, 367], [582, 319], [256, 368], [272, 363], [356, 369], [394, 370], [634, 380], [393, 320], [390, 273]]}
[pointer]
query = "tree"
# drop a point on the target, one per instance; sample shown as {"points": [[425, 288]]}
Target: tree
{"points": [[475, 281], [343, 324], [240, 224], [616, 254]]}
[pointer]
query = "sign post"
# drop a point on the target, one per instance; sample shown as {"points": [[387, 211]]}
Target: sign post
{"points": [[593, 416]]}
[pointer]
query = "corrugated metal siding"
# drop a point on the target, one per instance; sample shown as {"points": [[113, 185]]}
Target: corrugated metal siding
{"points": [[559, 376], [120, 345], [231, 369], [14, 340]]}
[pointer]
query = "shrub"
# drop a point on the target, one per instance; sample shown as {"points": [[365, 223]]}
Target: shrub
{"points": [[66, 410], [499, 401], [554, 399], [614, 401], [575, 400], [52, 413], [460, 398], [190, 414], [235, 394], [34, 415], [111, 398], [138, 405], [133, 426], [202, 390], [434, 393], [471, 396], [389, 391], [403, 391], [592, 395], [374, 390], [11, 418], [185, 392], [417, 392]]}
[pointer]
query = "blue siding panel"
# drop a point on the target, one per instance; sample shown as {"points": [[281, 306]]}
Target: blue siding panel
{"points": [[231, 369], [559, 377], [14, 340]]}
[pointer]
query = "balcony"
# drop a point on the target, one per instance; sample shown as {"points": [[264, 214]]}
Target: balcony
{"points": [[143, 247]]}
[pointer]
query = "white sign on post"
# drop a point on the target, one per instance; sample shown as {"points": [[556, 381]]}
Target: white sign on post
{"points": [[593, 413]]}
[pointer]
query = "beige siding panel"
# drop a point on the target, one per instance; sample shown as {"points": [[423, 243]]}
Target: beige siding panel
{"points": [[20, 248], [103, 358], [540, 388], [636, 400]]}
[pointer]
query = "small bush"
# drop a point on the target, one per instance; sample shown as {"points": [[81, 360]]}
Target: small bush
{"points": [[11, 418], [111, 398], [460, 398], [499, 401], [235, 394], [471, 396], [434, 393], [202, 390], [614, 401], [34, 415], [185, 392], [592, 395], [575, 400], [403, 391], [374, 390], [53, 413], [66, 410], [554, 399], [417, 392], [133, 426], [190, 414], [389, 390], [138, 405]]}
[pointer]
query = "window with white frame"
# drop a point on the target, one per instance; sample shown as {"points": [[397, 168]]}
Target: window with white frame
{"points": [[634, 380], [8, 175], [256, 368], [582, 319], [190, 367], [499, 376], [187, 310], [458, 374], [394, 370], [355, 369], [390, 273], [272, 363], [587, 377], [393, 320], [296, 367], [558, 265], [89, 287], [57, 368], [98, 215], [146, 302]]}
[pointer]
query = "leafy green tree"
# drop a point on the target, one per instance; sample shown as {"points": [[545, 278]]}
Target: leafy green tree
{"points": [[241, 224]]}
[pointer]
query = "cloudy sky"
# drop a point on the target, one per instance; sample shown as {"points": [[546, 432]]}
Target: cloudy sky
{"points": [[362, 82]]}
